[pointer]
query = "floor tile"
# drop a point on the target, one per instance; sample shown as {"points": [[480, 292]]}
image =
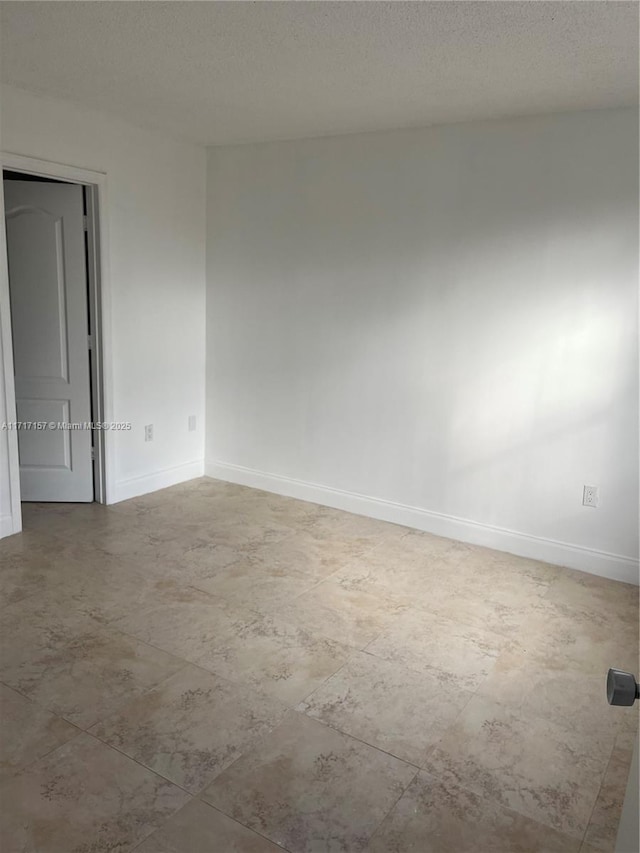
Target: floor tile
{"points": [[79, 671], [191, 726], [537, 768], [309, 555], [310, 788], [187, 626], [409, 568], [595, 594], [439, 818], [421, 555], [283, 660], [505, 577], [462, 604], [591, 642], [348, 616], [203, 558], [389, 707], [84, 797], [107, 589], [553, 689], [199, 828], [24, 572], [365, 531], [41, 578], [240, 530], [302, 517], [442, 587], [245, 584], [428, 548], [28, 732], [426, 642], [66, 518], [36, 624], [487, 587]]}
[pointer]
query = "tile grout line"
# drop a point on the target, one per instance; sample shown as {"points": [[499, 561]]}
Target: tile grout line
{"points": [[246, 826], [29, 764], [597, 797], [198, 798], [350, 736], [394, 806]]}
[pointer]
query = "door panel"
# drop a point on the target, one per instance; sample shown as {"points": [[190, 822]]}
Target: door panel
{"points": [[55, 451], [49, 319], [38, 299]]}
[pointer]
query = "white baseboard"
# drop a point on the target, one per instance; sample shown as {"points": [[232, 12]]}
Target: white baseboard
{"points": [[613, 566], [6, 526], [146, 483]]}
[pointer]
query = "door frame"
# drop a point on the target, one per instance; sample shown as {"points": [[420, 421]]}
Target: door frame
{"points": [[99, 292]]}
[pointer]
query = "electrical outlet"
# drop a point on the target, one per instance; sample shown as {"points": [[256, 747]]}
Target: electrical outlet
{"points": [[591, 496], [192, 423], [148, 432]]}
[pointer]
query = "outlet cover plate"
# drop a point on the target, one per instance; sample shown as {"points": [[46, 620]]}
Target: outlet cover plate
{"points": [[591, 496]]}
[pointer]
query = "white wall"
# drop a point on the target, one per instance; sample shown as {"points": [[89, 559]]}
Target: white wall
{"points": [[156, 224], [443, 320]]}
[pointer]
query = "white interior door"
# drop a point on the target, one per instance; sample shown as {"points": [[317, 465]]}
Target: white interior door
{"points": [[49, 320]]}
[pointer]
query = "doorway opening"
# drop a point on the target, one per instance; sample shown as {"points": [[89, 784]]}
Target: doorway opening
{"points": [[52, 233]]}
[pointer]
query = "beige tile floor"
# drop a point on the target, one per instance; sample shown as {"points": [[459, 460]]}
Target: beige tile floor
{"points": [[213, 669]]}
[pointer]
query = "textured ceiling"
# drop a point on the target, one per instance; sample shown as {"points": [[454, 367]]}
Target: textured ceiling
{"points": [[223, 72]]}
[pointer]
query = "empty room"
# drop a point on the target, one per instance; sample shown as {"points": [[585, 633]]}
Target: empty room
{"points": [[319, 429]]}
